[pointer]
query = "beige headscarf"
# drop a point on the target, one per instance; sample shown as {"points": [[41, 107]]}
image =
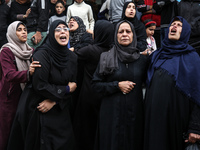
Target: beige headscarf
{"points": [[22, 51]]}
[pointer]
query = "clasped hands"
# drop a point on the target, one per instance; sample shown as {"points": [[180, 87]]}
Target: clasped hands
{"points": [[126, 86]]}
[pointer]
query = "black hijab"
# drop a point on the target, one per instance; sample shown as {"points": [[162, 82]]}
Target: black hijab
{"points": [[103, 33], [59, 55], [139, 28], [126, 54], [78, 33]]}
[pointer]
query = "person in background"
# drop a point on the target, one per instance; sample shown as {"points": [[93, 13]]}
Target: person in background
{"points": [[37, 22], [172, 104], [60, 8], [104, 11], [119, 78], [87, 110], [129, 13], [42, 120], [19, 10], [79, 38], [52, 10], [193, 18], [167, 10], [15, 71], [150, 26], [5, 15], [84, 11]]}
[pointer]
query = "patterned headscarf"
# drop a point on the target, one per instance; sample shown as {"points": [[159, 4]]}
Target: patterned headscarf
{"points": [[76, 35]]}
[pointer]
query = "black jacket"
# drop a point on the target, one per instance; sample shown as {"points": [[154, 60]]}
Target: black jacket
{"points": [[189, 9], [39, 16]]}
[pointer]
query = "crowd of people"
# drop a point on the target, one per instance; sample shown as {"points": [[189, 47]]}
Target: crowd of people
{"points": [[71, 82]]}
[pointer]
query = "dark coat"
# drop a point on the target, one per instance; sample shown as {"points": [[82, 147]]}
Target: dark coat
{"points": [[4, 17], [87, 110], [18, 9], [10, 92], [33, 130], [121, 115]]}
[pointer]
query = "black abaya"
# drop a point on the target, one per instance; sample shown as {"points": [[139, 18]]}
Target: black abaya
{"points": [[121, 115], [167, 113]]}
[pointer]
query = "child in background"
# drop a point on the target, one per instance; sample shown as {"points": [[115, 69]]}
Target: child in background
{"points": [[150, 26], [60, 8]]}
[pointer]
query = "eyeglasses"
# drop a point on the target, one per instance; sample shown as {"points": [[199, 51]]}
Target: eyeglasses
{"points": [[60, 29]]}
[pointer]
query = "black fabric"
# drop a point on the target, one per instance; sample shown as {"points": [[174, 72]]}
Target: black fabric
{"points": [[16, 9], [52, 10], [38, 18], [120, 125], [168, 114], [4, 17], [109, 60], [139, 29], [59, 54], [102, 33], [193, 18], [87, 110]]}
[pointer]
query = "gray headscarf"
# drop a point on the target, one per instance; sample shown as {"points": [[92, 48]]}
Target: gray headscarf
{"points": [[22, 51], [126, 54]]}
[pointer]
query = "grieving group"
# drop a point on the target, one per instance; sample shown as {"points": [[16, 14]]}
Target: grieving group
{"points": [[40, 108]]}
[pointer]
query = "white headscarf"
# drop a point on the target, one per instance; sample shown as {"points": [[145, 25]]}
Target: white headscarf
{"points": [[22, 51]]}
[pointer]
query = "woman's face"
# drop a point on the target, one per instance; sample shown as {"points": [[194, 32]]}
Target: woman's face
{"points": [[125, 34], [73, 25], [130, 10], [62, 34], [21, 33], [175, 30]]}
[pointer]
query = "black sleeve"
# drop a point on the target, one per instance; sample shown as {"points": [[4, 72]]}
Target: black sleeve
{"points": [[194, 123], [41, 76], [85, 40], [141, 38], [43, 9], [100, 85]]}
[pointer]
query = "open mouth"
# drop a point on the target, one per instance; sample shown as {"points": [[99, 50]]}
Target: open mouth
{"points": [[63, 38], [173, 31]]}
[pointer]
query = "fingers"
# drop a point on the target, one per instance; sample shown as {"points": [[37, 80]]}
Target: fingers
{"points": [[126, 86], [193, 138]]}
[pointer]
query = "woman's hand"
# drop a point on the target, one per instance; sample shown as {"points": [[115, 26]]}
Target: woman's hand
{"points": [[72, 86], [32, 66], [46, 105], [146, 52], [193, 138], [126, 86], [71, 49]]}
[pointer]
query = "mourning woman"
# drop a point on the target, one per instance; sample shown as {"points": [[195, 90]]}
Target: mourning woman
{"points": [[14, 73], [173, 93], [119, 77], [87, 110], [129, 13], [42, 120], [78, 35]]}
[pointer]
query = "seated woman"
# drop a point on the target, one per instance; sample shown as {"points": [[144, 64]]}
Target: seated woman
{"points": [[173, 93], [119, 78], [78, 35], [87, 110], [42, 120], [129, 13], [14, 73]]}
